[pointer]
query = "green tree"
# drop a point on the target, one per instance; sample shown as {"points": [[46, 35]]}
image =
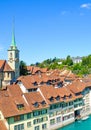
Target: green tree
{"points": [[23, 68], [68, 61]]}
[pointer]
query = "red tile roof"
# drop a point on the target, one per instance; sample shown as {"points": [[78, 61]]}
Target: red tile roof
{"points": [[10, 98], [33, 98], [7, 67], [50, 91], [2, 62], [77, 86], [2, 125], [34, 69]]}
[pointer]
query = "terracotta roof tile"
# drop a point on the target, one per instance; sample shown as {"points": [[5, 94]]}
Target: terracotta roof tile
{"points": [[50, 91], [2, 62], [34, 69], [2, 125], [34, 97], [77, 86], [10, 98], [7, 67]]}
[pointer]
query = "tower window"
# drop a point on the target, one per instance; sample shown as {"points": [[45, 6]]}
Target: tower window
{"points": [[10, 55], [16, 54]]}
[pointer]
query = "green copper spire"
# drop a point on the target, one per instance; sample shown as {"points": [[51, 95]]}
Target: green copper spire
{"points": [[13, 37]]}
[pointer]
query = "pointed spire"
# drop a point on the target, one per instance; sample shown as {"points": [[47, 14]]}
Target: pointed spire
{"points": [[13, 37]]}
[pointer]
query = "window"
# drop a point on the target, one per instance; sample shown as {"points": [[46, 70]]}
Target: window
{"points": [[51, 99], [44, 126], [58, 98], [68, 117], [48, 82], [19, 127], [11, 55], [64, 98], [43, 103], [52, 121], [58, 119], [45, 118], [35, 83], [70, 103], [28, 124], [28, 115], [44, 111], [42, 83], [36, 121], [20, 106], [36, 113], [16, 56], [18, 118], [36, 104], [64, 105], [36, 128]]}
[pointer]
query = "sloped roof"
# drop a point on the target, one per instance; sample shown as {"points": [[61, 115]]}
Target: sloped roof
{"points": [[34, 69], [77, 86], [10, 98], [50, 91], [4, 66], [33, 98], [2, 125], [2, 62], [7, 67]]}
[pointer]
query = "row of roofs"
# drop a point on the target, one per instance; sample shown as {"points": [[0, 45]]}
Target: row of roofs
{"points": [[50, 77], [42, 96], [47, 88], [12, 99]]}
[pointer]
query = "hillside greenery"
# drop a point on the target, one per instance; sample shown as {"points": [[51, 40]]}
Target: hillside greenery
{"points": [[81, 69]]}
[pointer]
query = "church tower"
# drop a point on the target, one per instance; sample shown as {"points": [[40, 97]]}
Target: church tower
{"points": [[13, 56]]}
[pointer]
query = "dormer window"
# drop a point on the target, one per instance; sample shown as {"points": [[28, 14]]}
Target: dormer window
{"points": [[20, 106], [70, 96], [51, 99], [60, 84], [64, 98], [36, 104], [42, 83], [53, 81], [58, 98], [48, 82], [35, 83], [43, 103]]}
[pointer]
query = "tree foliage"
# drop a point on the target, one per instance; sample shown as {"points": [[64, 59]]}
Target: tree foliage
{"points": [[23, 68], [68, 61], [81, 69]]}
